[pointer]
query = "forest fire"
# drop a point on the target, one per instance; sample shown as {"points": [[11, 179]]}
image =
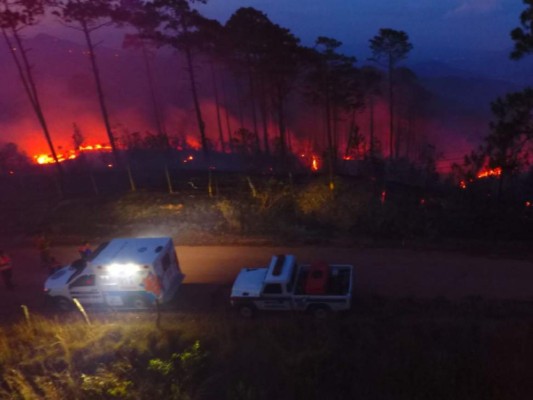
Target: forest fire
{"points": [[485, 173], [489, 172], [43, 159]]}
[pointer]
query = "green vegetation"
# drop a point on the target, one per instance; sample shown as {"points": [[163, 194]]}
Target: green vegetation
{"points": [[303, 210], [386, 349]]}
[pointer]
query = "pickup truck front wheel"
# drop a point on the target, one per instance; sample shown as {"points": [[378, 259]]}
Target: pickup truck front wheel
{"points": [[247, 310], [320, 311]]}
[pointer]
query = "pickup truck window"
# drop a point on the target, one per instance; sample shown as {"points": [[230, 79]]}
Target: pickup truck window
{"points": [[278, 267], [166, 262], [290, 285], [272, 288]]}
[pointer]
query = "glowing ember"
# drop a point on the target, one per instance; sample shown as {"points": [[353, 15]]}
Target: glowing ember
{"points": [[193, 143], [462, 185], [383, 197], [528, 204]]}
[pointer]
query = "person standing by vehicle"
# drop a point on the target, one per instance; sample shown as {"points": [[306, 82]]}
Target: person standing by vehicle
{"points": [[85, 250], [43, 245], [6, 269]]}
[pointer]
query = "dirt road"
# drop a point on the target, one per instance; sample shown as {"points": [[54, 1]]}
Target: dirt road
{"points": [[391, 273]]}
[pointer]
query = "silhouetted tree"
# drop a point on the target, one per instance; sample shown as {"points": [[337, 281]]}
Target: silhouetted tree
{"points": [[523, 36], [415, 101], [12, 159], [87, 16], [247, 29], [271, 57], [370, 83], [331, 82], [16, 15], [390, 46], [508, 144], [176, 26], [77, 136], [211, 40], [134, 13]]}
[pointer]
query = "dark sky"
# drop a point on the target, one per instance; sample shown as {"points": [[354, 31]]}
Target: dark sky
{"points": [[431, 24]]}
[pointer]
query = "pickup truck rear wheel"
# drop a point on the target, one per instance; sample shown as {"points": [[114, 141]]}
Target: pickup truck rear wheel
{"points": [[247, 311], [320, 311]]}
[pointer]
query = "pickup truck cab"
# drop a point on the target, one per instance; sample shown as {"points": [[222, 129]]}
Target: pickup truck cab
{"points": [[124, 273], [284, 285]]}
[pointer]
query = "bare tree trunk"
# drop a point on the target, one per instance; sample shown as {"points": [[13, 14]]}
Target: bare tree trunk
{"points": [[100, 91], [155, 103], [217, 105], [199, 118], [26, 77], [282, 128], [264, 117], [372, 149], [251, 87], [226, 114], [391, 112], [329, 135]]}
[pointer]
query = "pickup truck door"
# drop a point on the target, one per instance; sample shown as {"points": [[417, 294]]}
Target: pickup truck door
{"points": [[84, 289], [273, 298]]}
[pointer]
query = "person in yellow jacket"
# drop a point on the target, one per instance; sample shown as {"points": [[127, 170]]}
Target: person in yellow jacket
{"points": [[6, 269]]}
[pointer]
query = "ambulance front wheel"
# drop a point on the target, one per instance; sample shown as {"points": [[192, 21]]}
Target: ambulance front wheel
{"points": [[63, 304]]}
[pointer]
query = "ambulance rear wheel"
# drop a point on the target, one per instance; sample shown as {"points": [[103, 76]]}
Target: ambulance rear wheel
{"points": [[139, 303], [63, 304]]}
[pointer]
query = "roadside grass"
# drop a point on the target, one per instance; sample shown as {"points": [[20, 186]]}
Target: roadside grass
{"points": [[273, 212], [384, 349]]}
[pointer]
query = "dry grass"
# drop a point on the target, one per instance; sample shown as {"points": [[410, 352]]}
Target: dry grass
{"points": [[390, 350]]}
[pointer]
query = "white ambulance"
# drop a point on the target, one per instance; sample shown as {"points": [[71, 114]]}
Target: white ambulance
{"points": [[126, 272]]}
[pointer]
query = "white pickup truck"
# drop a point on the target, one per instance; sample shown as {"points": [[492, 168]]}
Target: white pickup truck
{"points": [[318, 288]]}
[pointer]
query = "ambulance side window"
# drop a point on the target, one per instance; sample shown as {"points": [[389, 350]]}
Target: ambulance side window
{"points": [[85, 280], [165, 262]]}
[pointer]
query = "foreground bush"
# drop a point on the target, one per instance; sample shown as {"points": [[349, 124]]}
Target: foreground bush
{"points": [[385, 350]]}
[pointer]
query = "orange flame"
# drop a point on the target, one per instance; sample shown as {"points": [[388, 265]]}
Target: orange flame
{"points": [[69, 155], [314, 163], [490, 172]]}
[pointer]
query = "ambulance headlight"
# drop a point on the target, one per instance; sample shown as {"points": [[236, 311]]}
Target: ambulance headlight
{"points": [[122, 269]]}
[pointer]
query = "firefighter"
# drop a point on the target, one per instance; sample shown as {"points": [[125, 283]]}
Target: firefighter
{"points": [[53, 265], [43, 245], [85, 250], [6, 269]]}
